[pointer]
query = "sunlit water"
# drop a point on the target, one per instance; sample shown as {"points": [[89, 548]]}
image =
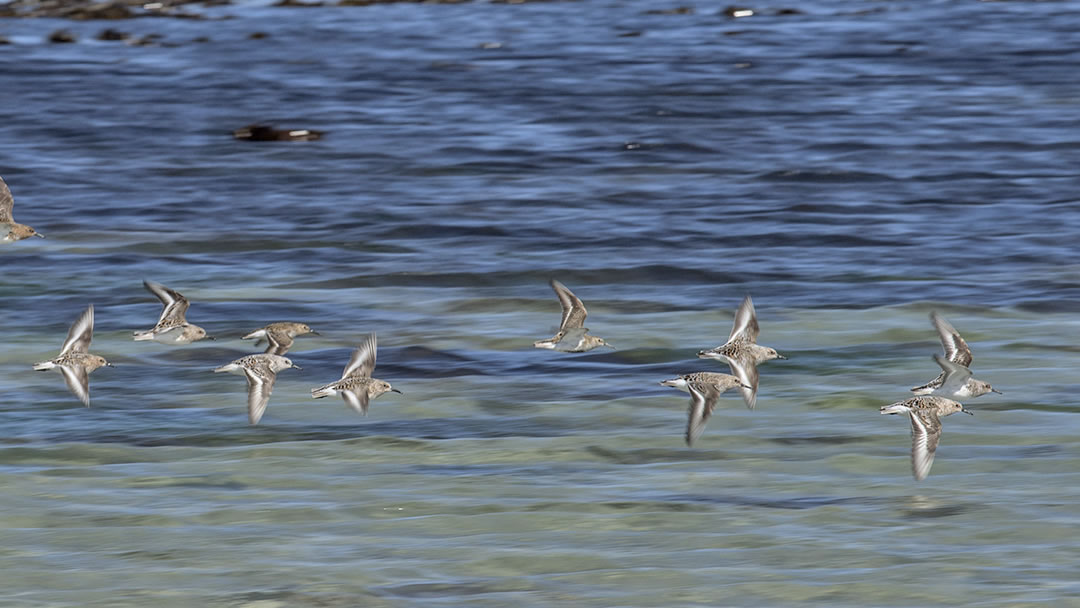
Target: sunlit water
{"points": [[852, 168]]}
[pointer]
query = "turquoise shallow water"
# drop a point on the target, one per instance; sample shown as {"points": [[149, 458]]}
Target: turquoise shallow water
{"points": [[853, 168]]}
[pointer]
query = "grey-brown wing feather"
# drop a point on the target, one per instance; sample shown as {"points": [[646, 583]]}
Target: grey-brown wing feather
{"points": [[277, 343], [956, 350], [175, 304], [260, 386], [745, 328], [746, 371], [573, 310], [362, 361], [80, 334], [955, 378], [925, 434], [570, 338], [78, 382], [358, 402], [6, 203], [703, 398]]}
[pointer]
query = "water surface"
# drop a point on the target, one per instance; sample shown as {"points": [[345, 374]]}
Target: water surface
{"points": [[852, 167]]}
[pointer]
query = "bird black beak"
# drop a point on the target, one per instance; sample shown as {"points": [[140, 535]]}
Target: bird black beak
{"points": [[394, 390], [968, 412], [746, 387], [209, 338], [107, 364], [314, 333], [779, 356], [994, 390], [297, 366]]}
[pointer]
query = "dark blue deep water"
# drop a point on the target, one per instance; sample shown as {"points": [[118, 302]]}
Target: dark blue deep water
{"points": [[853, 166]]}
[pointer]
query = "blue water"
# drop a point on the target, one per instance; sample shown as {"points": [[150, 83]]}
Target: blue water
{"points": [[852, 167]]}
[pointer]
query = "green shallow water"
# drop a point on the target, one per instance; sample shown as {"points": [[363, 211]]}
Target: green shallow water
{"points": [[582, 498]]}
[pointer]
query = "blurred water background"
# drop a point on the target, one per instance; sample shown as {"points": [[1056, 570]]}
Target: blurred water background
{"points": [[852, 165]]}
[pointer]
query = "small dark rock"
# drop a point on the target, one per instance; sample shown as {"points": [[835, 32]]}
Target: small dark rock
{"points": [[201, 39], [633, 34], [681, 10], [789, 11], [257, 132], [61, 36], [4, 41], [113, 35], [258, 35]]}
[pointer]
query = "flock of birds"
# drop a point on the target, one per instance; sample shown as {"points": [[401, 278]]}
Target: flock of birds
{"points": [[356, 386], [933, 401]]}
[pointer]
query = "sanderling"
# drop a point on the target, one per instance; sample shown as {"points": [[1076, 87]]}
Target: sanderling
{"points": [[356, 385], [955, 378], [279, 336], [742, 352], [958, 382], [261, 372], [10, 229], [925, 413], [74, 361], [572, 336], [172, 327], [705, 389]]}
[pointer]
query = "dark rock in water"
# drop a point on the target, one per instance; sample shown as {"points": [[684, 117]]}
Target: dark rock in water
{"points": [[681, 10], [83, 10], [371, 2], [789, 11], [103, 10], [113, 35], [258, 35], [259, 132], [633, 34], [201, 39], [4, 41], [736, 12], [61, 36]]}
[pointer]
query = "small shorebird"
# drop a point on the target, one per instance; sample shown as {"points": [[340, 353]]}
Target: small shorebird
{"points": [[705, 389], [925, 413], [10, 230], [955, 378], [958, 383], [742, 352], [279, 336], [356, 385], [172, 327], [261, 372], [75, 362], [572, 336]]}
